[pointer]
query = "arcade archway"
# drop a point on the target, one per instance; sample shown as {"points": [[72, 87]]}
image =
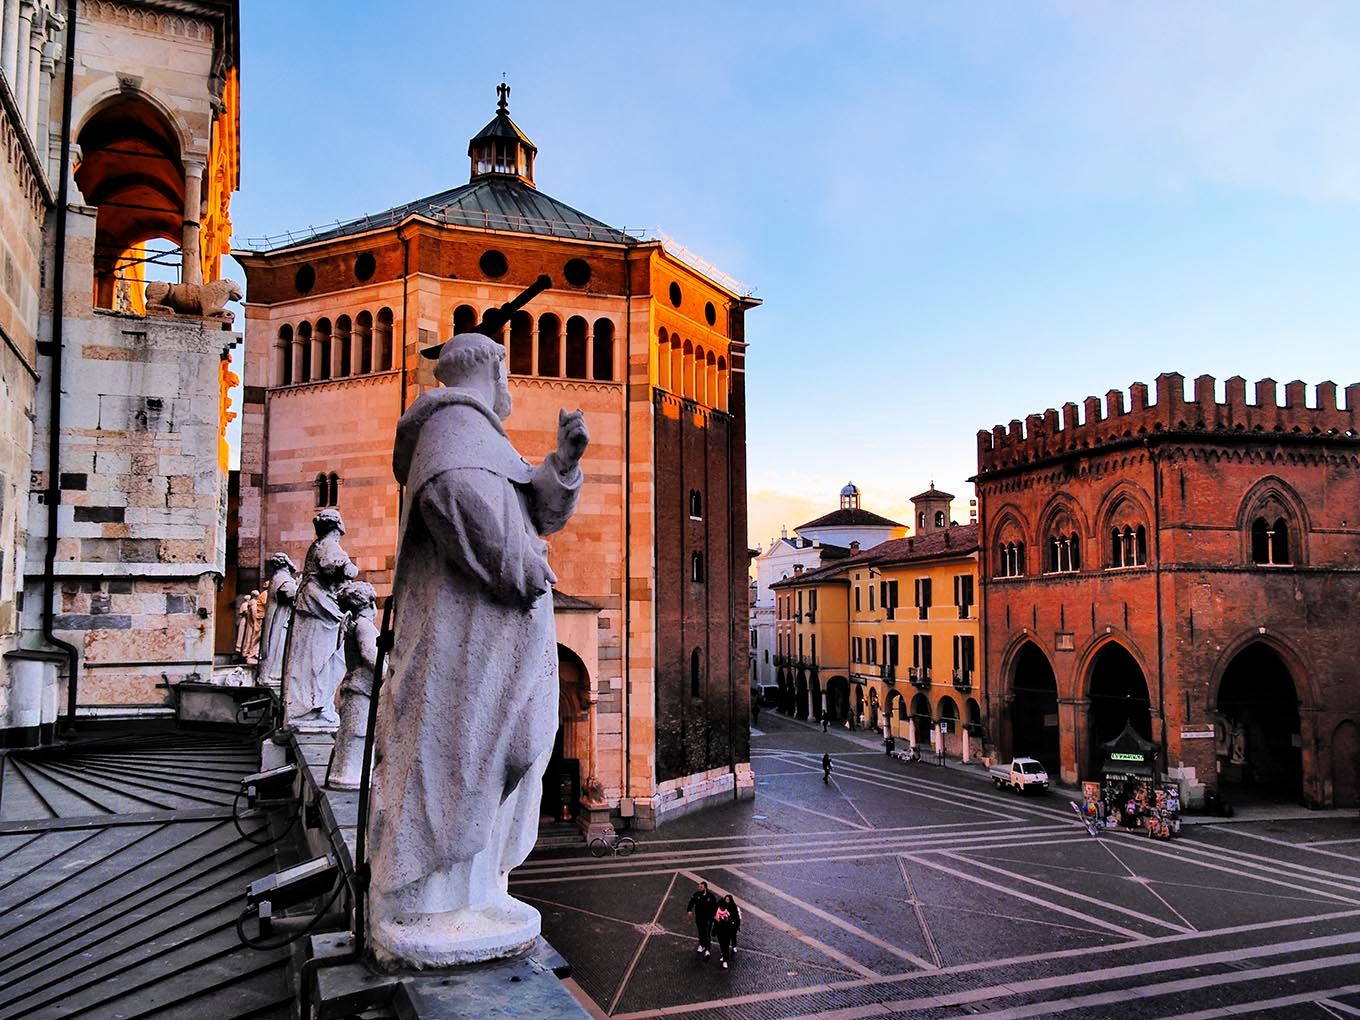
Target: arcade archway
{"points": [[948, 720], [1258, 707], [894, 713], [1118, 695], [873, 709], [838, 699], [800, 696], [571, 747], [923, 721], [1034, 709], [815, 692]]}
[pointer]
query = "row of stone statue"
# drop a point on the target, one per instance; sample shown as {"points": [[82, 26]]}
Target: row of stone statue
{"points": [[319, 639]]}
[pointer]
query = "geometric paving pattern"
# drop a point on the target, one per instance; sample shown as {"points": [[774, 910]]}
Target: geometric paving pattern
{"points": [[906, 890], [121, 877]]}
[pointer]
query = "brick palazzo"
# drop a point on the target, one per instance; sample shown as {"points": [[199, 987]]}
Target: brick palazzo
{"points": [[1189, 567]]}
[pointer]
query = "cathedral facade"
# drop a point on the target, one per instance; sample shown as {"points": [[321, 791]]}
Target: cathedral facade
{"points": [[650, 600]]}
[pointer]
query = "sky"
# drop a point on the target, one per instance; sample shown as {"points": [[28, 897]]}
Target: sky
{"points": [[955, 214]]}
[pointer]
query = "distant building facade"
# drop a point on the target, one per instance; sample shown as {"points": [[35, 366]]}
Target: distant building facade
{"points": [[1189, 566], [652, 570], [886, 639], [823, 540], [112, 500]]}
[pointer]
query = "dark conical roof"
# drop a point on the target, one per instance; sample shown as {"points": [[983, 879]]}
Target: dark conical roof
{"points": [[501, 125]]}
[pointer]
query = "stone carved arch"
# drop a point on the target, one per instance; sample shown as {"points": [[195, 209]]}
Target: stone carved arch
{"points": [[1305, 683], [93, 98], [1062, 505], [1272, 499]]}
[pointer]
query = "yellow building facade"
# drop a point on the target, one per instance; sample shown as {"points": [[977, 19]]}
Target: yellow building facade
{"points": [[888, 639]]}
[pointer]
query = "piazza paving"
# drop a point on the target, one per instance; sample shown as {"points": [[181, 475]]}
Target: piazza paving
{"points": [[902, 890]]}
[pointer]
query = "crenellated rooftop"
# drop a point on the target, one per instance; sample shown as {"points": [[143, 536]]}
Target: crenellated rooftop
{"points": [[1089, 425]]}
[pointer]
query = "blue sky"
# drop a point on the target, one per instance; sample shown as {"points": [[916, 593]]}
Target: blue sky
{"points": [[955, 213]]}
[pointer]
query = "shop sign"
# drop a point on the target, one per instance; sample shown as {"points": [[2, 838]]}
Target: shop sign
{"points": [[1197, 733], [1125, 756]]}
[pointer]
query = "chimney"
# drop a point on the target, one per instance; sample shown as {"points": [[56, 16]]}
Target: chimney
{"points": [[854, 546], [797, 570]]}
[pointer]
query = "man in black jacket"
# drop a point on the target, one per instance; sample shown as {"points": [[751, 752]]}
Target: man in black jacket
{"points": [[702, 906]]}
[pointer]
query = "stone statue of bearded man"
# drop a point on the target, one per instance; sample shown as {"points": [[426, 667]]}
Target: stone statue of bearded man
{"points": [[468, 711]]}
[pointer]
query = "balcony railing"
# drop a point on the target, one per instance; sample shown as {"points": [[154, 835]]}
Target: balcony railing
{"points": [[963, 679], [919, 676], [889, 672]]}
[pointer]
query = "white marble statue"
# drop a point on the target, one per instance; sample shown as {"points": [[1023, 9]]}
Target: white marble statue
{"points": [[282, 590], [314, 663], [468, 709], [358, 600]]}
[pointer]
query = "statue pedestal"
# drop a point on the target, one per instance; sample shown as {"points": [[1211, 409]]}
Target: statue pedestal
{"points": [[424, 941], [594, 821], [528, 984]]}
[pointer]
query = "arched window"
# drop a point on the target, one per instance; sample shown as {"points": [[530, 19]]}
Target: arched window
{"points": [[521, 344], [344, 343], [663, 359], [940, 521], [131, 168], [1127, 536], [332, 489], [576, 347], [723, 384], [677, 377], [687, 371], [603, 369], [711, 381], [322, 349], [464, 319], [694, 674], [696, 505], [303, 364], [1270, 541], [549, 345], [1064, 553], [283, 357], [363, 326], [700, 375], [920, 520], [384, 340], [696, 566], [323, 489]]}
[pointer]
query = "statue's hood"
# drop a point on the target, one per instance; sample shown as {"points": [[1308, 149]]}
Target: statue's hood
{"points": [[451, 428]]}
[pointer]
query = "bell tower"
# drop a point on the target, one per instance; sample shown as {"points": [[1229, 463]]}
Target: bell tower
{"points": [[932, 510]]}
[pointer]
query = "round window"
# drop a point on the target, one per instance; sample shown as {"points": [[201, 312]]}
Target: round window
{"points": [[675, 294], [577, 272], [305, 279], [710, 313], [365, 266], [493, 263]]}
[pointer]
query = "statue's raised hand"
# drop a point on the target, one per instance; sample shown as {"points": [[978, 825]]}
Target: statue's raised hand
{"points": [[572, 436]]}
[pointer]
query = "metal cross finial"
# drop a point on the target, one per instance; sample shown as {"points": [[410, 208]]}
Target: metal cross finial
{"points": [[503, 91]]}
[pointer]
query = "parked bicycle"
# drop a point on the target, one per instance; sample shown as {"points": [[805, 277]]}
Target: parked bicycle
{"points": [[620, 846]]}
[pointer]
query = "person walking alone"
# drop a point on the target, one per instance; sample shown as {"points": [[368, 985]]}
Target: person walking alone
{"points": [[702, 906], [826, 768], [726, 924]]}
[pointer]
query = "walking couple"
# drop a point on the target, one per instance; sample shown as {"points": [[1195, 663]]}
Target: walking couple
{"points": [[714, 917]]}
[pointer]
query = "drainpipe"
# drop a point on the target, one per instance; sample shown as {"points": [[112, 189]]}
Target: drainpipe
{"points": [[628, 525], [54, 409], [1157, 580]]}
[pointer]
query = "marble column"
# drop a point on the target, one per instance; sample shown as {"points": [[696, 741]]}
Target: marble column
{"points": [[192, 271], [35, 60], [9, 39], [18, 81], [297, 360]]}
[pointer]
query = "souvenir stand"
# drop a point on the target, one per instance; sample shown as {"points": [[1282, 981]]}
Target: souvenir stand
{"points": [[1131, 787]]}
